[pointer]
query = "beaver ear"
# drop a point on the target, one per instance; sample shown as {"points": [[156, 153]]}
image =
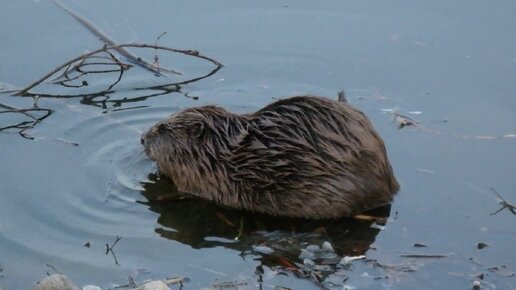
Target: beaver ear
{"points": [[162, 128], [197, 129]]}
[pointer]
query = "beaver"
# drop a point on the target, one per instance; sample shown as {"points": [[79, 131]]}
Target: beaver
{"points": [[302, 157]]}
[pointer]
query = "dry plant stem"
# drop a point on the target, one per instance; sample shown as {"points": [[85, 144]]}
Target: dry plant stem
{"points": [[25, 91], [404, 121], [432, 256], [53, 268], [132, 284], [110, 248], [504, 203], [240, 229]]}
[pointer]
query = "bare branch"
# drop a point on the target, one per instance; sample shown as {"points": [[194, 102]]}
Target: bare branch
{"points": [[106, 49]]}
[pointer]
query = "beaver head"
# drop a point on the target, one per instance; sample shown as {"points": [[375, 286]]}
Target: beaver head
{"points": [[189, 145]]}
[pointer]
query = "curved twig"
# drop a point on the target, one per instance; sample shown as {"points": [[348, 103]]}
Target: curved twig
{"points": [[193, 53]]}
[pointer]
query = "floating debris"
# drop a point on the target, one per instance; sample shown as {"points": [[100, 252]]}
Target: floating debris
{"points": [[404, 121], [176, 280], [377, 226], [231, 284], [431, 256], [263, 249], [341, 97], [109, 249], [395, 272], [475, 261], [481, 245], [431, 172], [348, 259], [153, 285], [503, 271], [504, 203]]}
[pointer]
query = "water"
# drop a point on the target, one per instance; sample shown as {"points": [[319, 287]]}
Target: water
{"points": [[85, 180]]}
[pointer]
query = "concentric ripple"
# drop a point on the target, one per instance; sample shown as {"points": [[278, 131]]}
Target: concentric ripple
{"points": [[114, 157], [90, 191]]}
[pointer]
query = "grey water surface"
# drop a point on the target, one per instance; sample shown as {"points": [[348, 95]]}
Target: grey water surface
{"points": [[83, 179]]}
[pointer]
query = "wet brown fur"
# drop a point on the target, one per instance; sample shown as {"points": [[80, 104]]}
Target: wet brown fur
{"points": [[305, 156]]}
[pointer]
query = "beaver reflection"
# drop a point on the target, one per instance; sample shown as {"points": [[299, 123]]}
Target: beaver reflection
{"points": [[202, 224]]}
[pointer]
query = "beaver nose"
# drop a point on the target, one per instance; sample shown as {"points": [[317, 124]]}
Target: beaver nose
{"points": [[142, 140]]}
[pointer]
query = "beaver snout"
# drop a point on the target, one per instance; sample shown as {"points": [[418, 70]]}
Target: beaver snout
{"points": [[142, 140]]}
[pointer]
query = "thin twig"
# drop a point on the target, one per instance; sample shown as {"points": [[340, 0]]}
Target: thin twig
{"points": [[110, 42], [504, 203], [434, 256], [404, 120], [110, 248], [156, 57], [240, 228], [341, 97], [53, 268]]}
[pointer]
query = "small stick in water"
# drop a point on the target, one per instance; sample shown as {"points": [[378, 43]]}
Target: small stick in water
{"points": [[504, 203], [108, 41]]}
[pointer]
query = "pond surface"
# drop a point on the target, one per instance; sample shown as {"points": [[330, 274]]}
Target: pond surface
{"points": [[79, 178]]}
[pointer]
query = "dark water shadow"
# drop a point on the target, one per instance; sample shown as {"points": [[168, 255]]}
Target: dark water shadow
{"points": [[275, 242]]}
